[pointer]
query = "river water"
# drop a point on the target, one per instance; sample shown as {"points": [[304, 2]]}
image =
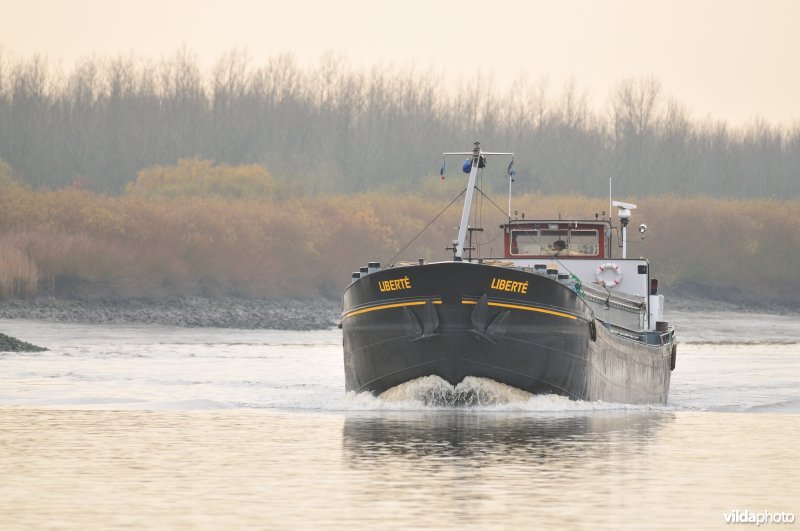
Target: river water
{"points": [[157, 427]]}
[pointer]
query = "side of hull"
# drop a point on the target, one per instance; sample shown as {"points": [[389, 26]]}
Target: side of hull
{"points": [[525, 330], [625, 371]]}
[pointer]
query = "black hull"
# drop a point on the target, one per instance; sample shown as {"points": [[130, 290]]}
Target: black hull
{"points": [[458, 319]]}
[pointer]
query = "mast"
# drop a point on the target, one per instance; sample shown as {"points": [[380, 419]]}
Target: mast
{"points": [[478, 161], [473, 175]]}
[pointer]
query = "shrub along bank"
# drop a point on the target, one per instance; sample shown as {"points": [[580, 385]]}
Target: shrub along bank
{"points": [[260, 242]]}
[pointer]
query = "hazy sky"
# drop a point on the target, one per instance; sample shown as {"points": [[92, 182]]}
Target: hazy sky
{"points": [[727, 59]]}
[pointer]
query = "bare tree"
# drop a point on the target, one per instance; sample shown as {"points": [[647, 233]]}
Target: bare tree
{"points": [[334, 128]]}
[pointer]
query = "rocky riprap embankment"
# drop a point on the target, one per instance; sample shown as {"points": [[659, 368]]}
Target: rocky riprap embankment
{"points": [[189, 312], [12, 344]]}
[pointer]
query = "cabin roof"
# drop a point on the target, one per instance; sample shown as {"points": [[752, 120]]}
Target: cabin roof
{"points": [[565, 223]]}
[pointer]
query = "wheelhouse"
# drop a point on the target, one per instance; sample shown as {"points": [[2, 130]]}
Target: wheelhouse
{"points": [[545, 239]]}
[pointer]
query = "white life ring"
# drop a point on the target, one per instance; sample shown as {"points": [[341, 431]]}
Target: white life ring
{"points": [[613, 283]]}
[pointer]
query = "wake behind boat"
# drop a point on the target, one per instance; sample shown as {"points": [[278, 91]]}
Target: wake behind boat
{"points": [[556, 313]]}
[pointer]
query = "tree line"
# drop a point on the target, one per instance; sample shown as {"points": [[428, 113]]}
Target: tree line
{"points": [[332, 128]]}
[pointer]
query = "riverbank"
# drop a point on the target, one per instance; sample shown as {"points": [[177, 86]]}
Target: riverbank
{"points": [[276, 314], [180, 311]]}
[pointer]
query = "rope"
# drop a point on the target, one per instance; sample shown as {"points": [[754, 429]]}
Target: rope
{"points": [[426, 227], [505, 214], [499, 233]]}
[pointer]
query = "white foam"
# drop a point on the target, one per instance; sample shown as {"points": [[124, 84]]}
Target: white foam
{"points": [[471, 391], [479, 394]]}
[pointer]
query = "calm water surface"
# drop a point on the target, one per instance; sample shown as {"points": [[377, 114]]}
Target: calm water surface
{"points": [[154, 427]]}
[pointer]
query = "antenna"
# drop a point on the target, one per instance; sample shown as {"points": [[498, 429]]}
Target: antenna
{"points": [[511, 173], [610, 223]]}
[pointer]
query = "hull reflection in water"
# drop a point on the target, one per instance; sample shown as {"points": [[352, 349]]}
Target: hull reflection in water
{"points": [[574, 438]]}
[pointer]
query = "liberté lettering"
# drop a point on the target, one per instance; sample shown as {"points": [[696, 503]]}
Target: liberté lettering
{"points": [[510, 285], [394, 284]]}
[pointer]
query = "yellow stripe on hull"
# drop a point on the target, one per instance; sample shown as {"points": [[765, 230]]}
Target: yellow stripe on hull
{"points": [[387, 306], [527, 308]]}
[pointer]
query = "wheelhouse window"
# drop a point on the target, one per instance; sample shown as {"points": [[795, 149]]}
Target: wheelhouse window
{"points": [[554, 241], [583, 242], [548, 242], [525, 242]]}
